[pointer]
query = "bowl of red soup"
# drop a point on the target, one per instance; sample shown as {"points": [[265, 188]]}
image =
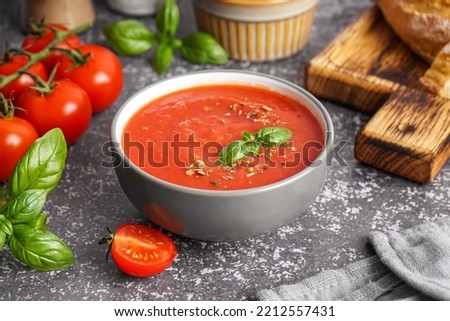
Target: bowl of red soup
{"points": [[222, 155]]}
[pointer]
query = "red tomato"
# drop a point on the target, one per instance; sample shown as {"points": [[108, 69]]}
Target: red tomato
{"points": [[16, 136], [37, 42], [66, 107], [15, 62], [141, 251], [101, 75]]}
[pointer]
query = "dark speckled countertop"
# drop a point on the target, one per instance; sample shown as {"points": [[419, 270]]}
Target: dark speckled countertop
{"points": [[356, 199]]}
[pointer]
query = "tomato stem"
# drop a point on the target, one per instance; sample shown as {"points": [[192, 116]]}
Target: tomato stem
{"points": [[40, 85], [37, 29], [7, 55], [60, 35], [107, 240], [75, 54], [8, 107], [22, 52]]}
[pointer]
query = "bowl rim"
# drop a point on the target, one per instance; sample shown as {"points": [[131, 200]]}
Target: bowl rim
{"points": [[241, 12], [328, 133]]}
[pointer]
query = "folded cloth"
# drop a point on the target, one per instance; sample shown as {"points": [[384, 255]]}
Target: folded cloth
{"points": [[411, 264]]}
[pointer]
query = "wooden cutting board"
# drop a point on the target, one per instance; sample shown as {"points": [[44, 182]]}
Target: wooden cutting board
{"points": [[369, 69]]}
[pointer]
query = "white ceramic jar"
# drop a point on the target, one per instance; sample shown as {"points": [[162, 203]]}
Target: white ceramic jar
{"points": [[257, 30], [135, 7]]}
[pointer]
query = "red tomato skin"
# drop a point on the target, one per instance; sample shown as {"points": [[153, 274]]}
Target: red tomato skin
{"points": [[101, 76], [16, 136], [16, 87], [36, 43], [128, 237], [67, 107]]}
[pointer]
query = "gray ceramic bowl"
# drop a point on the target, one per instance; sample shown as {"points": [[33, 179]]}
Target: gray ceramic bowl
{"points": [[220, 215]]}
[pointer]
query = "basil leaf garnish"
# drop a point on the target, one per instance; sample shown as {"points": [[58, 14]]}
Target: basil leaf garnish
{"points": [[26, 206], [233, 152], [168, 20], [250, 144], [248, 137], [21, 221], [41, 250], [6, 227], [129, 37], [42, 166], [162, 58], [202, 48], [273, 136], [252, 148], [2, 239], [38, 223]]}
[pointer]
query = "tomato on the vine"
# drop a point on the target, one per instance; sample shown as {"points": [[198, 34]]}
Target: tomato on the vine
{"points": [[9, 64], [16, 136], [63, 105], [140, 250], [44, 34], [98, 71]]}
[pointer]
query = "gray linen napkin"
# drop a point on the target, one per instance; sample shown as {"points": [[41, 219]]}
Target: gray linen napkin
{"points": [[409, 265]]}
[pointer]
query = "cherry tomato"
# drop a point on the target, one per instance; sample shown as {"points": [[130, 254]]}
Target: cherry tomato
{"points": [[10, 65], [16, 136], [37, 42], [141, 251], [67, 107], [100, 75]]}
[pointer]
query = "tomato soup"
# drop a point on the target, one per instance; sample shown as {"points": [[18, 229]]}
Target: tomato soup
{"points": [[178, 137]]}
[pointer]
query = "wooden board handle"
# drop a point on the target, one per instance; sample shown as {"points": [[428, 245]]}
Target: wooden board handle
{"points": [[408, 136]]}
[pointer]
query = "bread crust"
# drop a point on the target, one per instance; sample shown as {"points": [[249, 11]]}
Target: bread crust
{"points": [[437, 78], [424, 25]]}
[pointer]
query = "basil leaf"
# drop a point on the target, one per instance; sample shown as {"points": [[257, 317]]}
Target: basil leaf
{"points": [[129, 37], [26, 206], [38, 223], [2, 239], [202, 48], [248, 137], [168, 20], [175, 43], [252, 147], [42, 165], [3, 198], [40, 250], [233, 152], [162, 58], [273, 136], [6, 227]]}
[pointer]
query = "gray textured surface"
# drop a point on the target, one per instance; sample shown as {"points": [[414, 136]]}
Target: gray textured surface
{"points": [[356, 199]]}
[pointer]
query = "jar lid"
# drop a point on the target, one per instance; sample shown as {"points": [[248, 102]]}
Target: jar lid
{"points": [[253, 2]]}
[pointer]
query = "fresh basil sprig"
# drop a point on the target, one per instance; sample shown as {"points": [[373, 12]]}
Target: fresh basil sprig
{"points": [[22, 223], [250, 144], [131, 38]]}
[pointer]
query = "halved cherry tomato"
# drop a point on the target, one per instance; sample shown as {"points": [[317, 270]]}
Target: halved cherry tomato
{"points": [[140, 250], [67, 107], [16, 136], [9, 65], [35, 42], [100, 75]]}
